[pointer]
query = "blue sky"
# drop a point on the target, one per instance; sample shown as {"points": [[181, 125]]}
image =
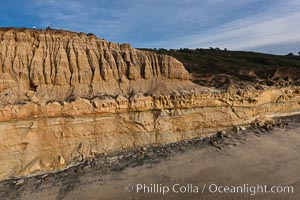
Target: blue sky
{"points": [[258, 25]]}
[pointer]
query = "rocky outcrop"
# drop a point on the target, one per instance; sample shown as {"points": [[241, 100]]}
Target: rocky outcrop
{"points": [[66, 96]]}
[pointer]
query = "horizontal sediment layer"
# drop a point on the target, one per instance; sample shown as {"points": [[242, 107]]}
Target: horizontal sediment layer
{"points": [[57, 135]]}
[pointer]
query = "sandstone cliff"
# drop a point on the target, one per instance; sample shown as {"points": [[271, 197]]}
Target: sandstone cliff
{"points": [[55, 65], [66, 96]]}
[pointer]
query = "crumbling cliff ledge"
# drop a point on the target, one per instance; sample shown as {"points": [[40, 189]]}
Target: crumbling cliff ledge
{"points": [[66, 96]]}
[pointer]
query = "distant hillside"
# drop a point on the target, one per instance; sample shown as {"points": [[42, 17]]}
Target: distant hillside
{"points": [[219, 68]]}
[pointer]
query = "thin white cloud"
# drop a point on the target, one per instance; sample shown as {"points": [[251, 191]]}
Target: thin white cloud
{"points": [[279, 24]]}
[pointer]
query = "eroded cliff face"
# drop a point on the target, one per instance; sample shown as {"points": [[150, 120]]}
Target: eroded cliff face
{"points": [[66, 96], [56, 65]]}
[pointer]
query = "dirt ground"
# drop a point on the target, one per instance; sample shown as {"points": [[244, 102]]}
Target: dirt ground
{"points": [[250, 157]]}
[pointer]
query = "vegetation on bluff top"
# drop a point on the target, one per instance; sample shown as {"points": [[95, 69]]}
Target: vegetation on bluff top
{"points": [[215, 67], [220, 61]]}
